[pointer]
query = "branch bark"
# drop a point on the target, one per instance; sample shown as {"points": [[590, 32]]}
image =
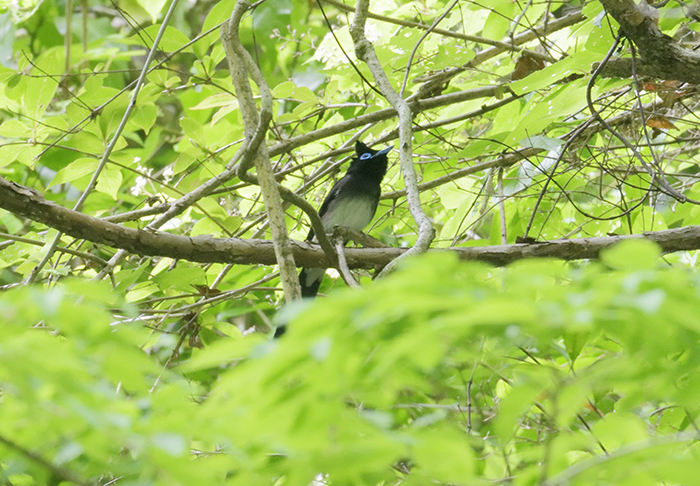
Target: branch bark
{"points": [[255, 125], [28, 203], [661, 56], [365, 52]]}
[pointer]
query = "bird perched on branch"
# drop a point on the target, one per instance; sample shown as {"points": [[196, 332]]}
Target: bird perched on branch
{"points": [[352, 202]]}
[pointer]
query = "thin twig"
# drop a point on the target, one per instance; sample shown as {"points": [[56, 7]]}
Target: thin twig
{"points": [[343, 265], [590, 431], [502, 206], [566, 476], [420, 41], [69, 33], [550, 176], [502, 161], [61, 249], [656, 177], [110, 147], [60, 472]]}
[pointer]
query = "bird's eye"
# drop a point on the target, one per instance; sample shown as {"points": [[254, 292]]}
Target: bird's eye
{"points": [[365, 156]]}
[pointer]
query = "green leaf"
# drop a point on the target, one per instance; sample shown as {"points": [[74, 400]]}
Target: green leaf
{"points": [[75, 170], [13, 224], [538, 141], [24, 154], [497, 22], [181, 277], [220, 12], [14, 129], [39, 90], [212, 207], [153, 7], [637, 254], [220, 352], [110, 181], [444, 455], [518, 400], [112, 117], [620, 428], [284, 90], [205, 227], [305, 94], [141, 291], [575, 341], [145, 116], [215, 101], [194, 130]]}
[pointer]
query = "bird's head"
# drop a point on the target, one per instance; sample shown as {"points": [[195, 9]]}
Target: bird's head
{"points": [[368, 161]]}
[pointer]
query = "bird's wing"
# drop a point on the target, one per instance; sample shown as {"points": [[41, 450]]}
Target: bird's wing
{"points": [[332, 196]]}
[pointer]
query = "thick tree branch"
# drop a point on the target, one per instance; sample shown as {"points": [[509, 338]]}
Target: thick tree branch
{"points": [[661, 56], [28, 203]]}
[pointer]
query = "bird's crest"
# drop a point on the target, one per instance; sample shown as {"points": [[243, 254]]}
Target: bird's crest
{"points": [[361, 149]]}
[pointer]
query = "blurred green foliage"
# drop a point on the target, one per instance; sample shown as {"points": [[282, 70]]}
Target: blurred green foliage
{"points": [[446, 372], [544, 373]]}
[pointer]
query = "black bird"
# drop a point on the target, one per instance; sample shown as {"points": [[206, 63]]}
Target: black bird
{"points": [[352, 202]]}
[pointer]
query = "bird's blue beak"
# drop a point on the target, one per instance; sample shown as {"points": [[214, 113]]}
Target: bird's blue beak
{"points": [[384, 151]]}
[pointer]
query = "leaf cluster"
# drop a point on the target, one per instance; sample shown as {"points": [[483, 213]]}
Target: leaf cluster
{"points": [[446, 372]]}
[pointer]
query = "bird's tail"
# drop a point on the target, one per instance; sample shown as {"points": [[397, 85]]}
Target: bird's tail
{"points": [[310, 280]]}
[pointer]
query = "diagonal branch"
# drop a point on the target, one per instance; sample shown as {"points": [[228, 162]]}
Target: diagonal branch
{"points": [[115, 138], [60, 472], [240, 66], [365, 51], [662, 57]]}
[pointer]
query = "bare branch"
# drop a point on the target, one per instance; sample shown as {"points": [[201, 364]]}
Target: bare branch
{"points": [[385, 114], [240, 66], [28, 203], [503, 161], [365, 51], [662, 57], [343, 265]]}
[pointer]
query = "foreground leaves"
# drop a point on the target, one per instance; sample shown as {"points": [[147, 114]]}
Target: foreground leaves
{"points": [[450, 372]]}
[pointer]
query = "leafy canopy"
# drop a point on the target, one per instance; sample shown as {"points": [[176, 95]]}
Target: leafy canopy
{"points": [[447, 372]]}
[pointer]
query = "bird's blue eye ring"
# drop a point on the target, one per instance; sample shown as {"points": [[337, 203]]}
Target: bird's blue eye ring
{"points": [[365, 156]]}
